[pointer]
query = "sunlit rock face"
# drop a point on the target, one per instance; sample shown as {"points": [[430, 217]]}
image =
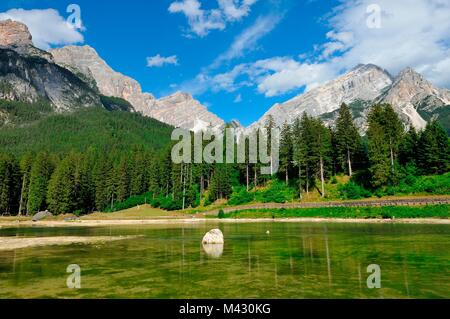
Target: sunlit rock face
{"points": [[179, 110], [411, 94], [14, 33]]}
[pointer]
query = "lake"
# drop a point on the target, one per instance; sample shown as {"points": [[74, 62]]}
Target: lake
{"points": [[258, 260]]}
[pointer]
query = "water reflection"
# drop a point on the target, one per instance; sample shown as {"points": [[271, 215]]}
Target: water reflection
{"points": [[295, 261]]}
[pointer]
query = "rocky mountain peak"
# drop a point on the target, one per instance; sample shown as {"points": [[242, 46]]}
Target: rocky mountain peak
{"points": [[178, 97], [13, 34], [412, 95], [365, 82], [179, 109]]}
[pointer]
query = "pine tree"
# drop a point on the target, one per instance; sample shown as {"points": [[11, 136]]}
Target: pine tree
{"points": [[348, 140], [299, 152], [321, 150], [220, 183], [25, 168], [286, 151], [434, 150], [408, 150], [40, 174], [61, 187], [394, 131], [379, 148], [123, 180], [10, 182]]}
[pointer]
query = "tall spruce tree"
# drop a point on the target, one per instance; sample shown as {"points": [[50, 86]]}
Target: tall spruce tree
{"points": [[40, 174], [61, 188], [286, 151], [434, 150], [10, 181], [26, 164], [347, 137], [379, 148]]}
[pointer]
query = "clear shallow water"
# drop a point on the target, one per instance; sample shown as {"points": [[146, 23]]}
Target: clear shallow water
{"points": [[294, 261]]}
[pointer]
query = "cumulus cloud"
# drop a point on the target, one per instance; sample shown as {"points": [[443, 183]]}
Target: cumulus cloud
{"points": [[159, 61], [201, 21], [47, 27], [412, 33], [418, 37]]}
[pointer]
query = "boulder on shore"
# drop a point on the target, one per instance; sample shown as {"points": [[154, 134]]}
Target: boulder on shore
{"points": [[42, 215], [214, 236]]}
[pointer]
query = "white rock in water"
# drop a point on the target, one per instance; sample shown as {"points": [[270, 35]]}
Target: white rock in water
{"points": [[213, 250], [214, 236]]}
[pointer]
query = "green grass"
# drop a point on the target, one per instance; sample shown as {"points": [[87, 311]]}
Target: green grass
{"points": [[436, 211]]}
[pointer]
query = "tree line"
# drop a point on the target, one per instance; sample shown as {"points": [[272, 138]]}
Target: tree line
{"points": [[310, 154]]}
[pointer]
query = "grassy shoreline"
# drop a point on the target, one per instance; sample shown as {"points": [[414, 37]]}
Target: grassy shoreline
{"points": [[386, 212]]}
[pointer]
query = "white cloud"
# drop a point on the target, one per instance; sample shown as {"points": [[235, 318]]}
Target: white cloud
{"points": [[418, 36], [159, 61], [235, 9], [249, 38], [201, 21], [47, 27], [413, 33], [238, 99]]}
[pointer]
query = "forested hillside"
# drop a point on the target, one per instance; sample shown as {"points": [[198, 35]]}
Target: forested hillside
{"points": [[94, 159], [34, 127]]}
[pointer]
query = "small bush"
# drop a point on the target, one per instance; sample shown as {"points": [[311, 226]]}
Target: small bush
{"points": [[221, 214], [277, 192], [353, 191], [241, 196]]}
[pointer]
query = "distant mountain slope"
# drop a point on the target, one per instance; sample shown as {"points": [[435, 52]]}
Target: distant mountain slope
{"points": [[179, 109], [78, 130]]}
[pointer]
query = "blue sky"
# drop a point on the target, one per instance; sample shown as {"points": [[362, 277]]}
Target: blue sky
{"points": [[239, 57]]}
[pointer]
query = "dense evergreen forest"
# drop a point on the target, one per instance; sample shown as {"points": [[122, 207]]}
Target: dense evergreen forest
{"points": [[94, 159]]}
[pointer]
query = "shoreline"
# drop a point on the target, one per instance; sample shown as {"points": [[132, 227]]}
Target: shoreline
{"points": [[193, 221]]}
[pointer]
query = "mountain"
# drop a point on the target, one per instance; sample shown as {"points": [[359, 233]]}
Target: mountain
{"points": [[417, 100], [412, 96], [179, 109], [29, 74], [363, 83]]}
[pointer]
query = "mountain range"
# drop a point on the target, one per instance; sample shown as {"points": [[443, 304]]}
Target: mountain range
{"points": [[76, 76]]}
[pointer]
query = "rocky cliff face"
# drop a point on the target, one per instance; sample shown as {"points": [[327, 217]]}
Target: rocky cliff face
{"points": [[14, 33], [29, 74], [179, 109], [16, 36], [413, 96], [84, 61], [182, 110]]}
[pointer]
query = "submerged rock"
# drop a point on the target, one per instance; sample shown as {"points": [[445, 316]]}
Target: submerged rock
{"points": [[42, 215], [214, 236]]}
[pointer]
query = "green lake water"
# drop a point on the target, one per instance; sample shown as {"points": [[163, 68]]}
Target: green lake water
{"points": [[294, 261]]}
